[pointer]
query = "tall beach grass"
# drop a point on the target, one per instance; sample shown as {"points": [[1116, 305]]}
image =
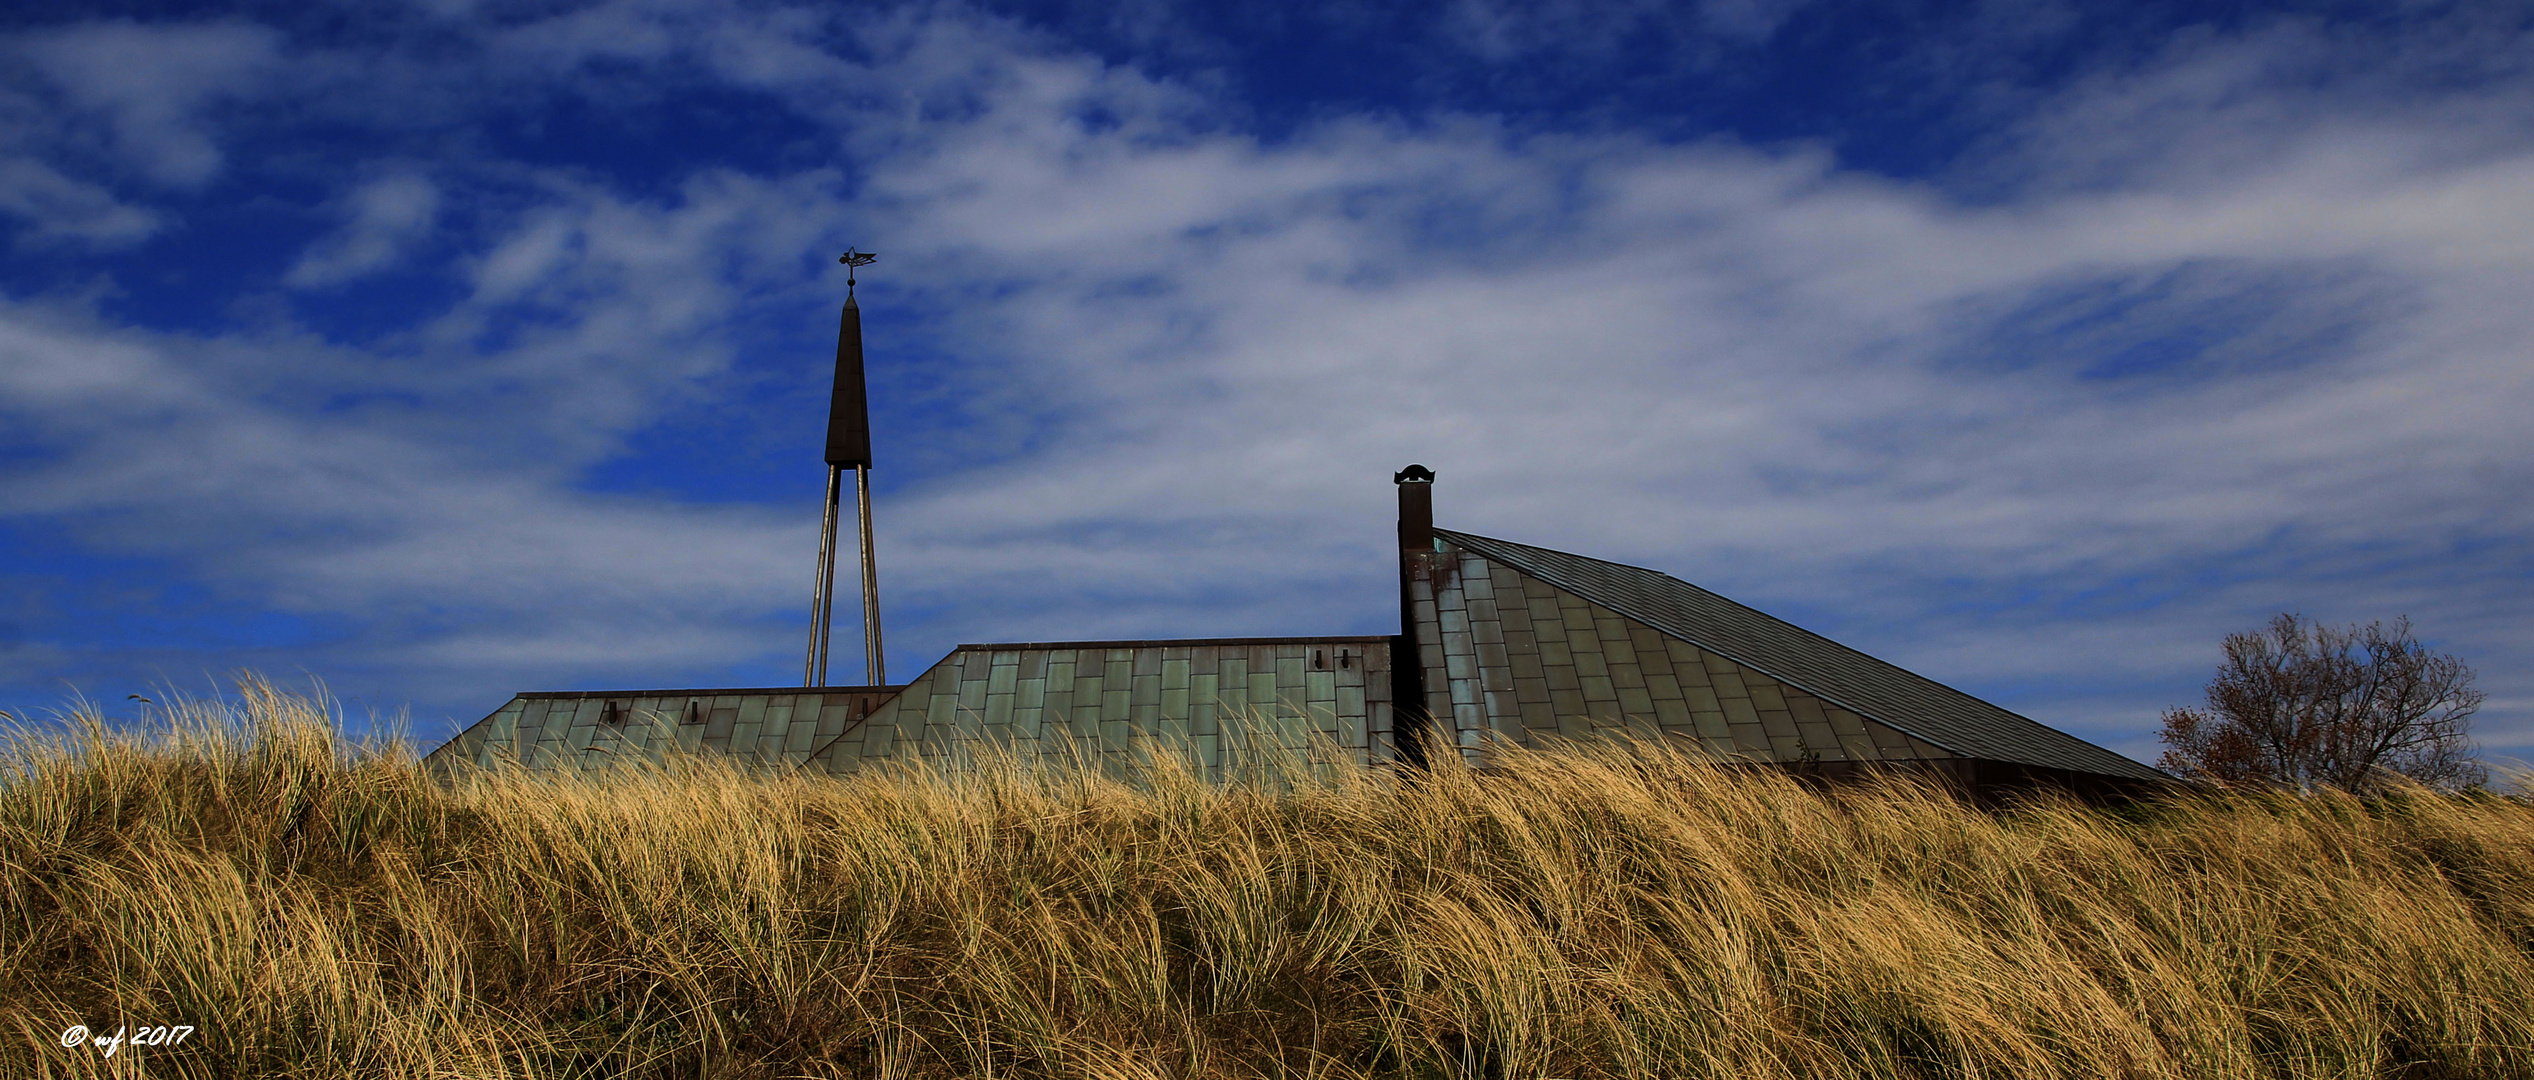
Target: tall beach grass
{"points": [[317, 909]]}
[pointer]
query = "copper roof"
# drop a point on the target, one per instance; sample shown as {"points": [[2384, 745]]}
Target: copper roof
{"points": [[1903, 699]]}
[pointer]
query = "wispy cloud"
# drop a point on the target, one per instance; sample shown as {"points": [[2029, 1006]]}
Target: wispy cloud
{"points": [[140, 93], [387, 215], [53, 208]]}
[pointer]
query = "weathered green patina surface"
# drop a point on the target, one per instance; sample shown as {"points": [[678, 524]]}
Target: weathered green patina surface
{"points": [[1208, 702]]}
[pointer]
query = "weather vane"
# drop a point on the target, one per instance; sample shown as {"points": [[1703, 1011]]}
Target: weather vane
{"points": [[854, 260]]}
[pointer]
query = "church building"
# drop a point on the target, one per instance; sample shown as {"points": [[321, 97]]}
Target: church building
{"points": [[1499, 642]]}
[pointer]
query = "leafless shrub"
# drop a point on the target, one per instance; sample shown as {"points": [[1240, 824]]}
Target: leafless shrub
{"points": [[2304, 705]]}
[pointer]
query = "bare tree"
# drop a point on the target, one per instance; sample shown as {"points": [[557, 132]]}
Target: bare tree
{"points": [[2303, 705]]}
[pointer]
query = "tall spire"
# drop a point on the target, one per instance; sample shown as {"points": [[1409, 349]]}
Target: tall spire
{"points": [[848, 447], [849, 410]]}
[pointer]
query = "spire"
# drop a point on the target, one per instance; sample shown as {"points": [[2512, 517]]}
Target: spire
{"points": [[848, 447], [849, 411]]}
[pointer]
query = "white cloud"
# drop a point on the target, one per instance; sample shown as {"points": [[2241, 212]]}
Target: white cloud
{"points": [[150, 84], [172, 446], [386, 216], [60, 209]]}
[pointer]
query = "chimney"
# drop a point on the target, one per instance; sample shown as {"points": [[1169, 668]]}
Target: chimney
{"points": [[1412, 721], [1416, 508]]}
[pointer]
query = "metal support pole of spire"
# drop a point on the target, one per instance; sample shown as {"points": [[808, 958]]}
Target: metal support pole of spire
{"points": [[874, 663], [822, 612]]}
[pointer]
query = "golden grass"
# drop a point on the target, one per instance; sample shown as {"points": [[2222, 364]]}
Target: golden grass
{"points": [[320, 910]]}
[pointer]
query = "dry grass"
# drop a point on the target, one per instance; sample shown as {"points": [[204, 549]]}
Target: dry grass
{"points": [[318, 910]]}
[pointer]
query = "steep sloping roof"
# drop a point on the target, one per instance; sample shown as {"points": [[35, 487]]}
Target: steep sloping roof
{"points": [[1903, 699]]}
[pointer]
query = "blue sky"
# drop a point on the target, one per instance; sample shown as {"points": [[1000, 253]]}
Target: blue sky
{"points": [[439, 350]]}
